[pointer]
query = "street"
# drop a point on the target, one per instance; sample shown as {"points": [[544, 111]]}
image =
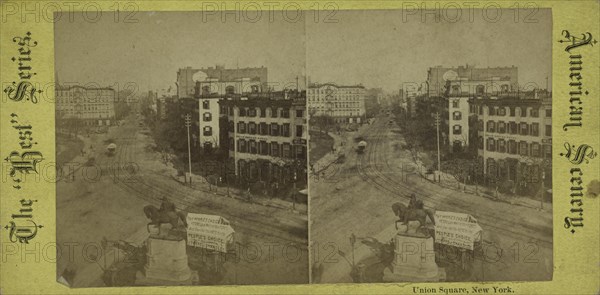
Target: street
{"points": [[355, 198], [105, 200]]}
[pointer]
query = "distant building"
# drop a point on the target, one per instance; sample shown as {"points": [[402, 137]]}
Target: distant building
{"points": [[187, 77], [475, 80], [93, 106], [345, 104], [267, 135], [515, 138]]}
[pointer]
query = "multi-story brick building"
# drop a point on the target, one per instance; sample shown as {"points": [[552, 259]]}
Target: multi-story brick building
{"points": [[345, 104], [267, 136], [515, 138], [93, 106]]}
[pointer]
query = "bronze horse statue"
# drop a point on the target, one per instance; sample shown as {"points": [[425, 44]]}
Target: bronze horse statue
{"points": [[158, 216], [406, 214]]}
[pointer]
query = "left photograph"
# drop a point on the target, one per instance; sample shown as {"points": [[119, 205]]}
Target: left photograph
{"points": [[181, 139]]}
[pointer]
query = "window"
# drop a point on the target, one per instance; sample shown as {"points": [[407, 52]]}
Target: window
{"points": [[263, 129], [229, 90], [491, 126], [251, 112], [501, 146], [523, 146], [456, 129], [252, 147], [457, 115], [480, 125], [535, 129], [285, 130], [501, 111], [299, 113], [456, 102], [206, 104], [513, 128], [207, 117], [241, 127], [512, 147], [548, 130], [501, 127], [534, 112], [512, 111], [251, 128], [524, 129], [230, 126], [504, 88], [491, 144], [492, 111], [207, 131], [480, 142], [263, 148], [263, 113], [274, 149], [548, 113], [480, 89], [205, 90], [286, 151], [523, 112], [242, 112], [274, 113], [285, 113], [548, 151], [535, 149], [274, 129], [242, 147], [299, 130], [231, 144]]}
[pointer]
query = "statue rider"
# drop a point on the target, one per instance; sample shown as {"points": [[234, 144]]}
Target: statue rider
{"points": [[415, 203], [166, 205]]}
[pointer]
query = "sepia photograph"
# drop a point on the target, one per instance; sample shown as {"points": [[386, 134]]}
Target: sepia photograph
{"points": [[182, 142], [430, 146]]}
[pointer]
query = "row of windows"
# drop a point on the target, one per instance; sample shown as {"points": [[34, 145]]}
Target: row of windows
{"points": [[335, 90], [272, 129], [514, 128], [522, 148], [274, 149], [534, 112], [263, 113]]}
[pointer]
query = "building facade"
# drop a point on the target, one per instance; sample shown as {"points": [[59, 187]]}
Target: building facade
{"points": [[515, 139], [345, 104], [93, 106], [473, 80], [267, 136], [209, 93], [187, 77]]}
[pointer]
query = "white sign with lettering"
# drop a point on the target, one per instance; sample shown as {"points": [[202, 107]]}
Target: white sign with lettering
{"points": [[211, 232], [456, 229]]}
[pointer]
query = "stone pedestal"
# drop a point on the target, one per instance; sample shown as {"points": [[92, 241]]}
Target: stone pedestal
{"points": [[414, 260], [167, 260]]}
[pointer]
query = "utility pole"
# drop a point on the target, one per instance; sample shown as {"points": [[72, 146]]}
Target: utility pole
{"points": [[437, 125], [188, 123]]}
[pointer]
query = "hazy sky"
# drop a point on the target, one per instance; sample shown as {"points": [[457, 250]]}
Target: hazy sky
{"points": [[151, 51], [379, 49], [375, 48]]}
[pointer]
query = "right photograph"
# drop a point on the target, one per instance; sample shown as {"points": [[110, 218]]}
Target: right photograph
{"points": [[430, 146]]}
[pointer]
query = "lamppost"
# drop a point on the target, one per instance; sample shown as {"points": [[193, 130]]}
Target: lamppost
{"points": [[437, 125], [188, 123]]}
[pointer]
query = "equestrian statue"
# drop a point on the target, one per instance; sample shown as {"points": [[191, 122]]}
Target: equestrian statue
{"points": [[414, 212]]}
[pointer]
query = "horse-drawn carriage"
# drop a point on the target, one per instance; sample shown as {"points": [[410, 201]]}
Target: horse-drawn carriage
{"points": [[111, 148], [360, 148]]}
